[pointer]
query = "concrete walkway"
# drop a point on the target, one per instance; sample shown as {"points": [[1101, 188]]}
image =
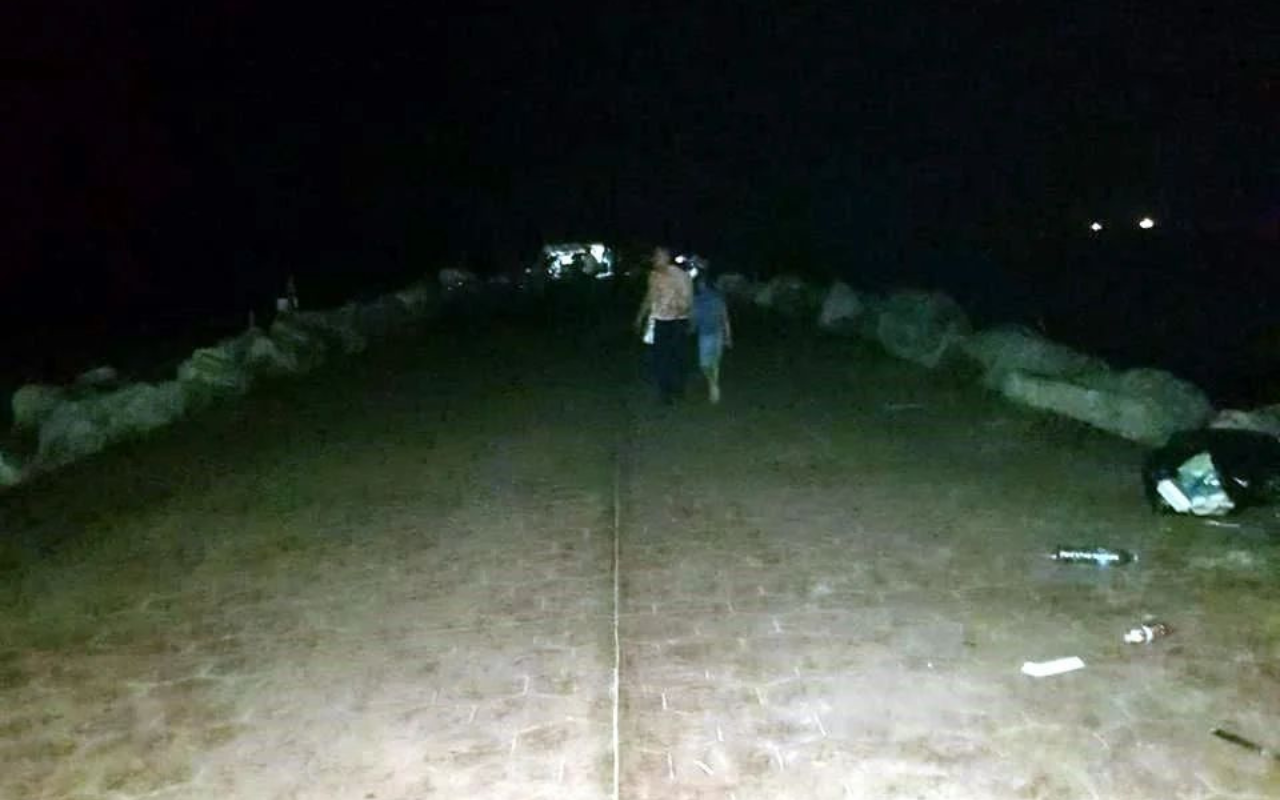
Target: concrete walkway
{"points": [[394, 581]]}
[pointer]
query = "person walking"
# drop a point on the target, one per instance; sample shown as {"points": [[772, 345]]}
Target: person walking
{"points": [[711, 320], [668, 301]]}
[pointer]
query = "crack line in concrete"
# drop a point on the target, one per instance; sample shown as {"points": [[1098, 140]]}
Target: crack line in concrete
{"points": [[617, 611]]}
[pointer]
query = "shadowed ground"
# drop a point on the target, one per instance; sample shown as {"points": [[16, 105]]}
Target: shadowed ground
{"points": [[393, 580]]}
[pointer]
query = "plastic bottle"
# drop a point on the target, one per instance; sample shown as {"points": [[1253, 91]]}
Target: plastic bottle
{"points": [[1101, 556], [1147, 632]]}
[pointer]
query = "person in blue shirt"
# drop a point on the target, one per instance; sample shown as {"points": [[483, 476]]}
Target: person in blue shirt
{"points": [[711, 321]]}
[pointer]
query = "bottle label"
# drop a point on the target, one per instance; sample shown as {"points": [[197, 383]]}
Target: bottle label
{"points": [[1100, 556]]}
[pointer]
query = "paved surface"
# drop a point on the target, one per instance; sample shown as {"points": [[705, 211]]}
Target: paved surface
{"points": [[393, 581]]}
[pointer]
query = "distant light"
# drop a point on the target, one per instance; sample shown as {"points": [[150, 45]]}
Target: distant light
{"points": [[679, 259], [693, 273], [1146, 223], [1095, 226]]}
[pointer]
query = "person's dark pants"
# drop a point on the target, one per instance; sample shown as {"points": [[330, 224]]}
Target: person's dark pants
{"points": [[670, 339]]}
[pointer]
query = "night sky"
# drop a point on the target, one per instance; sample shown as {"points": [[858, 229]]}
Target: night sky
{"points": [[187, 156]]}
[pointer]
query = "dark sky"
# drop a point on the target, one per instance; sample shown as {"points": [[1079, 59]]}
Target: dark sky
{"points": [[205, 149]]}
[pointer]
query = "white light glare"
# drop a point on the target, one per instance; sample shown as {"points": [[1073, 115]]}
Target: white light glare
{"points": [[597, 252], [1146, 223], [1095, 226]]}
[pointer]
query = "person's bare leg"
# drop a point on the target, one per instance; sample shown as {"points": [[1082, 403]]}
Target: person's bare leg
{"points": [[713, 383]]}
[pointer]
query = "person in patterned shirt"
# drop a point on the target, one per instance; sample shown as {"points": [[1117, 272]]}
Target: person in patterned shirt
{"points": [[668, 302]]}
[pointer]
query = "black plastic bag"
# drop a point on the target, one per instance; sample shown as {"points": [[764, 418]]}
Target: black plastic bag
{"points": [[1245, 468]]}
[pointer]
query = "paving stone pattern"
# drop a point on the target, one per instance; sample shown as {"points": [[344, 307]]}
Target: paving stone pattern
{"points": [[398, 585]]}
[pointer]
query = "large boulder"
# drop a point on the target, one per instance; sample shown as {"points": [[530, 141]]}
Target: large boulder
{"points": [[1184, 406], [840, 310], [1260, 420], [213, 373], [75, 429], [736, 288], [787, 295], [32, 404], [1143, 405], [338, 327], [922, 327], [867, 325], [455, 281], [140, 408], [303, 347], [266, 357], [90, 423], [98, 378], [383, 316], [10, 471], [999, 351], [421, 298]]}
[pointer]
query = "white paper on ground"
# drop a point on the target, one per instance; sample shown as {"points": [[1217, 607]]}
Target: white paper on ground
{"points": [[1173, 496], [1043, 669]]}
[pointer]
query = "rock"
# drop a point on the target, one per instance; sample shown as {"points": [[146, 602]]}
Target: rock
{"points": [[33, 403], [1183, 405], [787, 295], [337, 326], [1142, 405], [868, 323], [840, 310], [75, 429], [98, 378], [1002, 350], [453, 280], [266, 357], [500, 283], [84, 426], [140, 408], [302, 346], [736, 288], [212, 373], [1261, 420], [421, 298], [10, 471], [382, 317], [922, 327]]}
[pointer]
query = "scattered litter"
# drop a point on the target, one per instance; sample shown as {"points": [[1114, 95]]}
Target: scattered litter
{"points": [[1173, 495], [1213, 472], [1101, 556], [904, 406], [1043, 669], [1147, 632], [1245, 743], [1217, 523]]}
